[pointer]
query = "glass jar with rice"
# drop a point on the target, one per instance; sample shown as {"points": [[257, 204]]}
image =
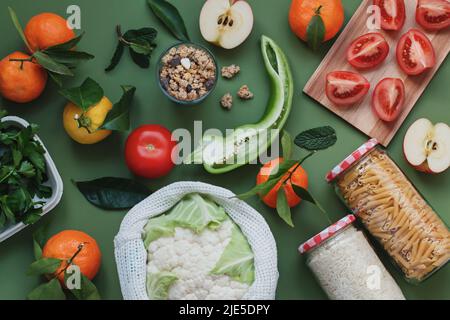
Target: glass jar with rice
{"points": [[346, 266], [393, 211]]}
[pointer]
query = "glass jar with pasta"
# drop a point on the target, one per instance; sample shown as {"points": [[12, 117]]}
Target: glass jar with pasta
{"points": [[393, 211]]}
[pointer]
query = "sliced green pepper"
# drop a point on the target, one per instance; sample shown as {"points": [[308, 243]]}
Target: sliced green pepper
{"points": [[220, 155]]}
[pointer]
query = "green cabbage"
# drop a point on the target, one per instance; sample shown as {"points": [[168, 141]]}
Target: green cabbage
{"points": [[158, 285], [237, 259], [193, 212]]}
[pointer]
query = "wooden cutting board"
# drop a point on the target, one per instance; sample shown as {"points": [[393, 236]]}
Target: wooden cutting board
{"points": [[361, 115]]}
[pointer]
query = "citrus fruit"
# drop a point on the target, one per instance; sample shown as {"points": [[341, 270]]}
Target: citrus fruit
{"points": [[302, 11], [84, 127], [21, 81], [299, 178], [66, 244], [46, 30]]}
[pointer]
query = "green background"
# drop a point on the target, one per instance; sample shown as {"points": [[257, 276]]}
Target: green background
{"points": [[74, 161]]}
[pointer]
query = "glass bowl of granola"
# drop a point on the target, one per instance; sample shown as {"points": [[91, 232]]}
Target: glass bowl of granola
{"points": [[187, 73]]}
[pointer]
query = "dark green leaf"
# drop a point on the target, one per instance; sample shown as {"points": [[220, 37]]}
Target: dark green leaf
{"points": [[307, 196], [142, 48], [281, 169], [316, 139], [141, 60], [315, 33], [57, 78], [113, 193], [261, 189], [44, 192], [145, 34], [39, 239], [44, 266], [283, 207], [51, 65], [17, 157], [116, 57], [48, 291], [171, 18], [27, 170], [87, 291], [32, 216], [118, 119], [87, 95], [286, 144], [69, 57], [18, 27], [66, 46]]}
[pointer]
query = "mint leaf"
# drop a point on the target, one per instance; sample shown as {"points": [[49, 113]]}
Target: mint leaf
{"points": [[48, 291], [118, 53], [87, 95], [317, 139], [283, 207], [44, 266], [118, 119]]}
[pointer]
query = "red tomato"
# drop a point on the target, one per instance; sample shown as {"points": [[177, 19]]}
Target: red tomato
{"points": [[299, 178], [433, 14], [368, 51], [345, 88], [415, 53], [388, 99], [393, 13], [148, 151]]}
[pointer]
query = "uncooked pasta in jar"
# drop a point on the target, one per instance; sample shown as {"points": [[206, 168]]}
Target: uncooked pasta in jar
{"points": [[396, 214]]}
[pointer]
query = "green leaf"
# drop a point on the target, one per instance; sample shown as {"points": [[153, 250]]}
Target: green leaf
{"points": [[69, 57], [261, 189], [171, 18], [87, 95], [317, 139], [116, 57], [283, 207], [44, 266], [48, 291], [113, 193], [57, 78], [39, 239], [51, 65], [141, 60], [17, 157], [66, 46], [282, 169], [286, 144], [27, 170], [307, 196], [32, 216], [147, 35], [87, 291], [158, 285], [18, 27], [118, 119], [315, 32]]}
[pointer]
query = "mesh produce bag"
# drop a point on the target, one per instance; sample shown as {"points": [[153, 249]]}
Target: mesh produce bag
{"points": [[131, 255]]}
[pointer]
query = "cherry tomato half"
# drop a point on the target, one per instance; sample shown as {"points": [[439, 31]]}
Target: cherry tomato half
{"points": [[368, 51], [433, 14], [388, 99], [148, 151], [345, 88], [415, 53], [393, 13]]}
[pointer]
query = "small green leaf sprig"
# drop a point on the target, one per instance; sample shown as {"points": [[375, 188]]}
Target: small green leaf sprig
{"points": [[140, 43], [59, 60], [312, 141], [48, 267], [89, 94]]}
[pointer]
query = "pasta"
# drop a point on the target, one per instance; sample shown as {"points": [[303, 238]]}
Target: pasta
{"points": [[395, 213]]}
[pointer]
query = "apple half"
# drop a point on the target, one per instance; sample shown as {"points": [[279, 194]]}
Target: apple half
{"points": [[427, 146], [226, 23]]}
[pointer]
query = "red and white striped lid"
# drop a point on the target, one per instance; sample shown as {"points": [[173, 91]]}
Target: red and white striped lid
{"points": [[351, 159], [326, 234]]}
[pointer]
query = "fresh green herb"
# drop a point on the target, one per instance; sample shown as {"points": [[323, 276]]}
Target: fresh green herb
{"points": [[58, 60], [113, 193], [312, 141], [23, 173], [49, 267], [170, 16], [89, 94], [315, 32], [140, 43]]}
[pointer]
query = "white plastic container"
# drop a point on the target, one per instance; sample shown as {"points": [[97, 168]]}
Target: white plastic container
{"points": [[54, 181]]}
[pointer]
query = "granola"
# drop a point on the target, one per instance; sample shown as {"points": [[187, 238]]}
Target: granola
{"points": [[188, 73], [227, 101], [244, 93], [230, 71]]}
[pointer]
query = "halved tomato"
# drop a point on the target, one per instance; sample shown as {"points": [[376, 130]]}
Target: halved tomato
{"points": [[345, 88], [433, 14], [368, 51], [415, 53], [388, 99], [393, 13]]}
